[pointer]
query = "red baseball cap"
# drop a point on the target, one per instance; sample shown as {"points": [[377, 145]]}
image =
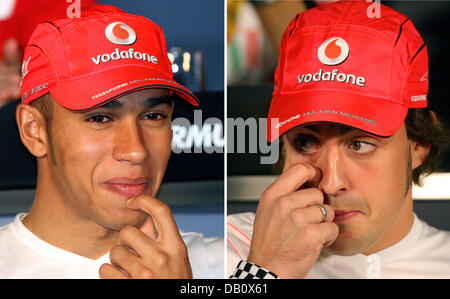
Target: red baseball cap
{"points": [[88, 61], [340, 63]]}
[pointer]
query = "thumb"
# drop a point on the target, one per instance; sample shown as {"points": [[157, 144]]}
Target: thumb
{"points": [[11, 52]]}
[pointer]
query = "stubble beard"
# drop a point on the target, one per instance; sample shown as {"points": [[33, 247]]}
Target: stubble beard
{"points": [[361, 241]]}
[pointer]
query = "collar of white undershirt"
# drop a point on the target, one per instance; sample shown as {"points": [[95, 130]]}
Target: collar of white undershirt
{"points": [[24, 235]]}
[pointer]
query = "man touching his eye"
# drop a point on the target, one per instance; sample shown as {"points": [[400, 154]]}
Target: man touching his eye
{"points": [[349, 107]]}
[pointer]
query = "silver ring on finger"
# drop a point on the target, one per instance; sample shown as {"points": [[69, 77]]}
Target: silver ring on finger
{"points": [[324, 212]]}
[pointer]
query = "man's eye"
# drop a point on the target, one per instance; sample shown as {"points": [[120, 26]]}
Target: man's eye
{"points": [[362, 147], [99, 118], [307, 145], [154, 116]]}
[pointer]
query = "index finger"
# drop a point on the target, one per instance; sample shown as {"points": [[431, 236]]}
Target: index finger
{"points": [[293, 178], [161, 215]]}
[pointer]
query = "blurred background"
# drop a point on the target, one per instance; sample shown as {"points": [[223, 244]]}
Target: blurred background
{"points": [[194, 32], [254, 30]]}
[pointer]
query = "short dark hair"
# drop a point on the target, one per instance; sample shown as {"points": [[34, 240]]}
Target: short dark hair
{"points": [[424, 127], [45, 105]]}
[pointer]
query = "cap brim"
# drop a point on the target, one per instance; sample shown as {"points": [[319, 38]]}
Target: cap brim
{"points": [[376, 116], [93, 91]]}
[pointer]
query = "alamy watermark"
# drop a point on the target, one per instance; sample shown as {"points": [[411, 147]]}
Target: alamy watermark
{"points": [[198, 137], [74, 9], [244, 136], [374, 9], [237, 138]]}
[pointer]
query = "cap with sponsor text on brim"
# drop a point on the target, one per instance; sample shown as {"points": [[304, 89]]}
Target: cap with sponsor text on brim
{"points": [[351, 63], [88, 61]]}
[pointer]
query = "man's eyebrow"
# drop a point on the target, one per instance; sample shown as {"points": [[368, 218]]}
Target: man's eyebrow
{"points": [[148, 103], [152, 102], [115, 105], [316, 129], [312, 128]]}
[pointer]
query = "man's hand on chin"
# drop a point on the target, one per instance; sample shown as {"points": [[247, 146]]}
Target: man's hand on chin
{"points": [[155, 250]]}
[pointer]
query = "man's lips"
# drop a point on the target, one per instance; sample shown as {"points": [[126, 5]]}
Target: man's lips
{"points": [[342, 215], [126, 186]]}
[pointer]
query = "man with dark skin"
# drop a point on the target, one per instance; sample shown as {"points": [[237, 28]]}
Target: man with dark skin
{"points": [[99, 125]]}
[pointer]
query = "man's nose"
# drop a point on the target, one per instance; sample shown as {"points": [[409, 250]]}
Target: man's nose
{"points": [[130, 144], [334, 178]]}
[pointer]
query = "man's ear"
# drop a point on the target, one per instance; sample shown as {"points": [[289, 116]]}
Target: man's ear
{"points": [[32, 129], [419, 152]]}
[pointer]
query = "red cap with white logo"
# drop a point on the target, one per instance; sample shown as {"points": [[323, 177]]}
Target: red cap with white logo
{"points": [[348, 63], [88, 61]]}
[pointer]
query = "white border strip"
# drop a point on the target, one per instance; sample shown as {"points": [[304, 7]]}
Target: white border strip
{"points": [[436, 187]]}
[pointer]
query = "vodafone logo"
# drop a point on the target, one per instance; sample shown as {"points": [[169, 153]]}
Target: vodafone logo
{"points": [[120, 33], [333, 51]]}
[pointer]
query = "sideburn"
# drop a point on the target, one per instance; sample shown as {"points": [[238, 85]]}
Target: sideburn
{"points": [[49, 122], [50, 141], [45, 105]]}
